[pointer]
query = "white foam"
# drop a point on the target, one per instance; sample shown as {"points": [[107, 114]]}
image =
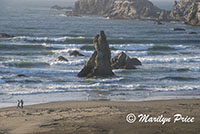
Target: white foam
{"points": [[107, 80], [28, 38], [130, 53], [22, 90], [168, 59], [32, 71], [195, 69], [53, 39], [63, 46], [132, 47], [71, 62], [144, 47], [176, 88]]}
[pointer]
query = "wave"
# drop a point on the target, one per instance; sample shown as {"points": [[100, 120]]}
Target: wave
{"points": [[71, 63], [176, 88], [25, 64], [183, 69], [31, 90], [66, 39], [130, 53], [148, 47], [26, 53], [150, 60], [165, 48], [179, 78], [132, 47], [106, 80], [2, 81], [89, 40], [32, 72], [195, 69], [24, 47]]}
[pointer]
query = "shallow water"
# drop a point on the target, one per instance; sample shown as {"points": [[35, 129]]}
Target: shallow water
{"points": [[170, 58]]}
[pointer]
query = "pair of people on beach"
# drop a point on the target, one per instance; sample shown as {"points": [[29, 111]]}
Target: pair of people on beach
{"points": [[20, 102]]}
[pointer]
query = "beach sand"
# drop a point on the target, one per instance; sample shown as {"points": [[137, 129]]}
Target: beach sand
{"points": [[99, 117]]}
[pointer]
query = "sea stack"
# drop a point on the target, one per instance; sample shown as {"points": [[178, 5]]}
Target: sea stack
{"points": [[99, 63]]}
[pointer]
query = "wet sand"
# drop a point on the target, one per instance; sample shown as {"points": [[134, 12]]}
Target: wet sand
{"points": [[100, 117]]}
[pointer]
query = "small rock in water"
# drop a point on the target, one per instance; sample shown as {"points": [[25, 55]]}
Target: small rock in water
{"points": [[179, 29], [192, 32], [75, 53], [61, 58], [4, 35], [122, 61], [21, 75], [158, 22]]}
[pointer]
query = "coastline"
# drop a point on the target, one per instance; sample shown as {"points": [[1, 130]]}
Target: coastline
{"points": [[98, 117]]}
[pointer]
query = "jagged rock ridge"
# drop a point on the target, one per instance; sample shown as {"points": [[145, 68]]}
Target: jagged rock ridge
{"points": [[118, 9], [187, 11]]}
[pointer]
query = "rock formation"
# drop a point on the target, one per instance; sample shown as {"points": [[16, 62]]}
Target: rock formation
{"points": [[4, 35], [118, 9], [61, 8], [187, 11], [178, 29], [75, 53], [192, 33], [99, 63], [61, 58], [122, 61]]}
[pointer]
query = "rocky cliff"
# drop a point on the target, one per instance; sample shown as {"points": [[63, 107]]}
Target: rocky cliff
{"points": [[118, 9], [187, 11]]}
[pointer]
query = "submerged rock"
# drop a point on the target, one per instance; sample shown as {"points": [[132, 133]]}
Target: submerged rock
{"points": [[4, 35], [76, 53], [61, 58], [122, 61], [99, 63]]}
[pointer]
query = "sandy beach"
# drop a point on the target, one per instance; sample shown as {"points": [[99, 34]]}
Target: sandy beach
{"points": [[100, 117]]}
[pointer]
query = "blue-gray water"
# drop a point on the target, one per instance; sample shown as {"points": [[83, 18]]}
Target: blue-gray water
{"points": [[171, 59]]}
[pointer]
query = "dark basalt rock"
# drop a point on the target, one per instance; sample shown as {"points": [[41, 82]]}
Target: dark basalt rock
{"points": [[122, 61], [21, 75], [99, 63], [61, 58], [192, 33], [178, 29], [76, 53], [4, 35], [157, 22]]}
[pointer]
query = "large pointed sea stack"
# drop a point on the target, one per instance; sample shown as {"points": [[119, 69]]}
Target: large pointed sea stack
{"points": [[99, 63]]}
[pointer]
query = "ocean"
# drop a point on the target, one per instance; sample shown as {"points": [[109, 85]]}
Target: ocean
{"points": [[171, 59]]}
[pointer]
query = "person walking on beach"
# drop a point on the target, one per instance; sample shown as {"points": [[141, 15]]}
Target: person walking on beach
{"points": [[22, 103], [18, 104]]}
